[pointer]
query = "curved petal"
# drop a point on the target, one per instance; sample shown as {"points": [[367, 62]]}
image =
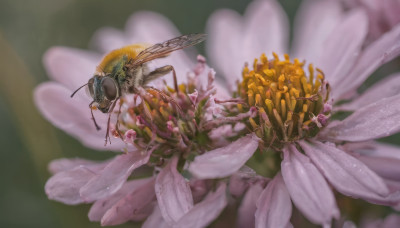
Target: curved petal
{"points": [[226, 160], [100, 207], [314, 21], [307, 187], [113, 176], [136, 205], [388, 168], [203, 213], [155, 220], [274, 207], [375, 55], [266, 29], [388, 87], [374, 149], [64, 186], [107, 39], [347, 174], [376, 120], [64, 164], [73, 115], [341, 48], [173, 193], [69, 66], [224, 44], [248, 206]]}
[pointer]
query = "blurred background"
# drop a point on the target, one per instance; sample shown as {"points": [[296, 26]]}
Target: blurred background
{"points": [[28, 142]]}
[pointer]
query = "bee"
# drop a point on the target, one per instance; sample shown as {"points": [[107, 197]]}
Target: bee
{"points": [[125, 71]]}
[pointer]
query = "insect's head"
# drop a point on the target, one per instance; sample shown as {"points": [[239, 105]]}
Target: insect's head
{"points": [[104, 90]]}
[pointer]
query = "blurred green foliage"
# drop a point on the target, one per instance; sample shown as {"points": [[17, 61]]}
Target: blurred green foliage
{"points": [[27, 30]]}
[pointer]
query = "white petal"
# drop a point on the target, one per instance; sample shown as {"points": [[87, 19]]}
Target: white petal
{"points": [[224, 161]]}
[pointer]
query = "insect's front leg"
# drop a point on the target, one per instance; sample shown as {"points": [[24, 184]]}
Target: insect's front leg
{"points": [[159, 72]]}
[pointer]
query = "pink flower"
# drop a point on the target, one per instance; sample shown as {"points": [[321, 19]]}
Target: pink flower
{"points": [[158, 135], [310, 159]]}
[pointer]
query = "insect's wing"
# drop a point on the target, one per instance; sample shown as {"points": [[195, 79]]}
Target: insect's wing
{"points": [[163, 49]]}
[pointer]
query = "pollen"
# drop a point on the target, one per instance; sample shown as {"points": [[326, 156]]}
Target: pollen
{"points": [[288, 96]]}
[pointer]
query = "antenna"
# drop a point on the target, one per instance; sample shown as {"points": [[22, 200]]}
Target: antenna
{"points": [[79, 89]]}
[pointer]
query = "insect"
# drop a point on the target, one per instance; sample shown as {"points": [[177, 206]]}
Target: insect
{"points": [[125, 71]]}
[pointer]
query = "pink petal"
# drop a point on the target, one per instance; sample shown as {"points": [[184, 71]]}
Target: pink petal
{"points": [[71, 67], [341, 48], [375, 55], [72, 115], [239, 181], [224, 44], [100, 207], [274, 207], [392, 9], [107, 39], [248, 206], [266, 29], [391, 221], [347, 174], [388, 168], [203, 213], [113, 176], [308, 188], [374, 149], [155, 220], [64, 186], [314, 21], [64, 164], [387, 87], [376, 120], [224, 161], [135, 206], [173, 193]]}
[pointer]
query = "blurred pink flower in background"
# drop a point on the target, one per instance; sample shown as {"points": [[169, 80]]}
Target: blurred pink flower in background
{"points": [[383, 14], [333, 40]]}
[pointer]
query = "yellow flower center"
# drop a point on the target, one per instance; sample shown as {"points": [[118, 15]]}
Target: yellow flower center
{"points": [[290, 101]]}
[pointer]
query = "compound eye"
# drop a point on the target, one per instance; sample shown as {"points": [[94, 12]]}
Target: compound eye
{"points": [[109, 88]]}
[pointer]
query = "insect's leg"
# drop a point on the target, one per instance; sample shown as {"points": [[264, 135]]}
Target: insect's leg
{"points": [[117, 124], [161, 71], [94, 120], [109, 119], [166, 97]]}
